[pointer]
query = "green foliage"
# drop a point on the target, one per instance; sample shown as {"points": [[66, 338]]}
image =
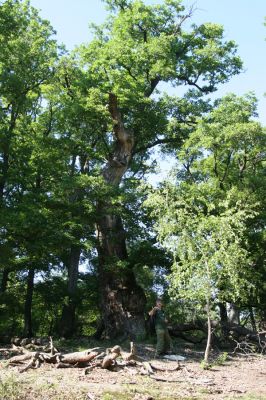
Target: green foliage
{"points": [[142, 46], [57, 137], [209, 216], [208, 248], [219, 360]]}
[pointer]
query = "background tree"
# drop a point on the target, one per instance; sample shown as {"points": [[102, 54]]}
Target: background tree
{"points": [[28, 53], [203, 218], [228, 151], [211, 261]]}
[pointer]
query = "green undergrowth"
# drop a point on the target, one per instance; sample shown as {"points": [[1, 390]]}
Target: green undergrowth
{"points": [[217, 361]]}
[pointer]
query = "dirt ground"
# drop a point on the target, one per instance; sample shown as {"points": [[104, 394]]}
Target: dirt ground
{"points": [[237, 377]]}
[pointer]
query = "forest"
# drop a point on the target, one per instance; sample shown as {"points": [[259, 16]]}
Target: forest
{"points": [[88, 240]]}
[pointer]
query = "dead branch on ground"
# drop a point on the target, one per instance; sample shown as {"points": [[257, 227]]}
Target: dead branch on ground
{"points": [[113, 359]]}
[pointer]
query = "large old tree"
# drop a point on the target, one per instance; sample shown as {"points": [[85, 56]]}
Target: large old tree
{"points": [[140, 48], [75, 130]]}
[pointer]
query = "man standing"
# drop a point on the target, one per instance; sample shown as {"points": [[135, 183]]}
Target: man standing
{"points": [[164, 343]]}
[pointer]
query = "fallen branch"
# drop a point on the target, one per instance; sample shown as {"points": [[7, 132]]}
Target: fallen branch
{"points": [[109, 360], [155, 368], [63, 365], [21, 358], [147, 367], [78, 357], [163, 379], [34, 363], [53, 350]]}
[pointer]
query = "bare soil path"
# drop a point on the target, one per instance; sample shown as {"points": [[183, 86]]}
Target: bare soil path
{"points": [[239, 377]]}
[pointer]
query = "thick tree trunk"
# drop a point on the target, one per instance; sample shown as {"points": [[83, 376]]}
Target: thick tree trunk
{"points": [[224, 320], [68, 319], [233, 314], [122, 300], [28, 304]]}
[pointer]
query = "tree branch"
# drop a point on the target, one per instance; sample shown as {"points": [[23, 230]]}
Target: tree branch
{"points": [[156, 143], [153, 83], [189, 82], [120, 132], [184, 18]]}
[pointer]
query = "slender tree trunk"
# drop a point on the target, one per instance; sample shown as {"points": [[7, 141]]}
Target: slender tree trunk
{"points": [[28, 304], [208, 345], [3, 177], [68, 319], [5, 154], [67, 325], [122, 300], [252, 320], [4, 280]]}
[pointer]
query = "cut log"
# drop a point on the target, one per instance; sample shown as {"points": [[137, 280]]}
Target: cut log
{"points": [[109, 360], [78, 357], [20, 359]]}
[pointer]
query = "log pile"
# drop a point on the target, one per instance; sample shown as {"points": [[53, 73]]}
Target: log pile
{"points": [[113, 359]]}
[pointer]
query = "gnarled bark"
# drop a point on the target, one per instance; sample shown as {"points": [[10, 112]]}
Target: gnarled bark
{"points": [[122, 300]]}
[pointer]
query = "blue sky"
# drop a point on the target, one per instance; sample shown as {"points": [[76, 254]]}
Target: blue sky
{"points": [[242, 20]]}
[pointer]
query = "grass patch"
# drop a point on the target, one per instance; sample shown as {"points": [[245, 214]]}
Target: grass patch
{"points": [[13, 388], [10, 389]]}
